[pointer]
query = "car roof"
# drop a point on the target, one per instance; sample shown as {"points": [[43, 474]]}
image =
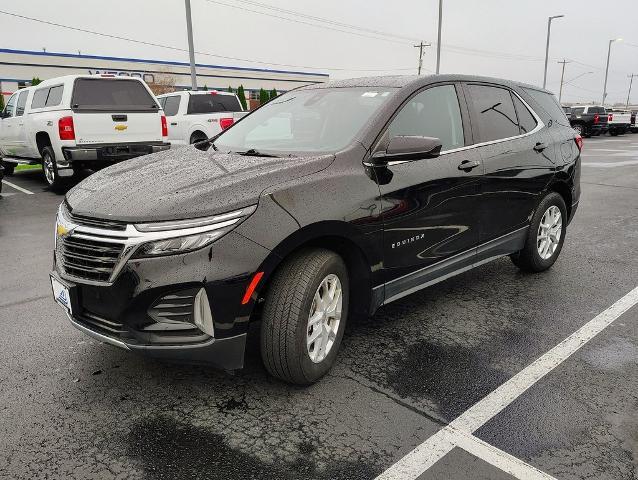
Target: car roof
{"points": [[69, 78], [416, 81], [198, 92]]}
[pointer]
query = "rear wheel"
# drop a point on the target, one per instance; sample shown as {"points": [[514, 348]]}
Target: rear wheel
{"points": [[545, 236], [304, 316], [50, 168], [8, 168], [197, 137]]}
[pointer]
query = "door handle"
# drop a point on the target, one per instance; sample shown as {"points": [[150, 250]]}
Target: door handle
{"points": [[468, 165], [539, 147], [173, 123]]}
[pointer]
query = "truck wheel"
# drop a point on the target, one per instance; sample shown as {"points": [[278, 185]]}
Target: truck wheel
{"points": [[580, 129], [8, 168], [304, 316], [50, 168], [198, 137], [613, 132], [545, 236]]}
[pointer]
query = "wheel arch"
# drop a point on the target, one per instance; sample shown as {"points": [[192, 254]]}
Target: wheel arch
{"points": [[196, 130], [561, 187], [42, 140], [339, 237]]}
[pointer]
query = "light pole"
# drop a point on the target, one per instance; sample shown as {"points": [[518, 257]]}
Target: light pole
{"points": [[438, 42], [631, 80], [191, 49], [607, 69], [549, 29], [562, 77], [420, 47]]}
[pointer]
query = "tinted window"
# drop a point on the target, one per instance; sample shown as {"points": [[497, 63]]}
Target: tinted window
{"points": [[435, 113], [549, 105], [494, 111], [311, 120], [22, 103], [55, 96], [578, 110], [526, 120], [111, 95], [171, 105], [210, 103], [596, 110], [39, 98], [10, 107]]}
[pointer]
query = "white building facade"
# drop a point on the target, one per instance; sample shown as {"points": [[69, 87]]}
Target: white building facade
{"points": [[19, 67]]}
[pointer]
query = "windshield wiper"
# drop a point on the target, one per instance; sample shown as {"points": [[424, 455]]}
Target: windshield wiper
{"points": [[256, 153]]}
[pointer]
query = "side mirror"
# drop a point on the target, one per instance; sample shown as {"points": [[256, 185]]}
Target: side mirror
{"points": [[408, 148]]}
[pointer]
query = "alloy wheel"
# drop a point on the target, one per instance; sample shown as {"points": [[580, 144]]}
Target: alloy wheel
{"points": [[49, 171], [324, 318], [549, 232]]}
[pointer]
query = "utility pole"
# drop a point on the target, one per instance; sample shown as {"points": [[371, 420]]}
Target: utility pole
{"points": [[631, 80], [420, 47], [562, 78], [549, 29], [438, 41], [191, 48]]}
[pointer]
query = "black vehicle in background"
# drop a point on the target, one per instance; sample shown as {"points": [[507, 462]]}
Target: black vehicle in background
{"points": [[588, 120], [327, 202], [633, 127]]}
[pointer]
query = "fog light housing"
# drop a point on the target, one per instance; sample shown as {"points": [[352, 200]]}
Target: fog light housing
{"points": [[202, 316]]}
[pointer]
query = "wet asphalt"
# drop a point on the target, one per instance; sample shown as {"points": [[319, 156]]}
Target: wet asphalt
{"points": [[71, 407]]}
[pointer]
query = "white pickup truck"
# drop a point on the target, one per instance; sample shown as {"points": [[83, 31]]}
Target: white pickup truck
{"points": [[618, 121], [199, 115], [80, 121]]}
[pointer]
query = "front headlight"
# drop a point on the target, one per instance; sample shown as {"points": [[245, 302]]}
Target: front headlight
{"points": [[182, 236]]}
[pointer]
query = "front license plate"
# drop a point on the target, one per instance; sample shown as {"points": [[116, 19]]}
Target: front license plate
{"points": [[61, 294]]}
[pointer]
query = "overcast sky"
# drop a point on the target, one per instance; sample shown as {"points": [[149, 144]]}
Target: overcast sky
{"points": [[502, 38]]}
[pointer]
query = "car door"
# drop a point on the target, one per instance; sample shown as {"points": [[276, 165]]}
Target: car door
{"points": [[516, 156], [8, 127], [429, 205], [19, 132]]}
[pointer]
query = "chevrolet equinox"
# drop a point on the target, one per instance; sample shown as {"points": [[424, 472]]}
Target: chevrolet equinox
{"points": [[327, 202]]}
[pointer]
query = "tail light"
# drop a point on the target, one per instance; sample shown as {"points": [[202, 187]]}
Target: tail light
{"points": [[610, 117], [66, 128], [226, 122], [579, 142], [164, 127], [596, 118]]}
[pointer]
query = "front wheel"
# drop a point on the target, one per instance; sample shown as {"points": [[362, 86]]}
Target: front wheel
{"points": [[304, 316], [545, 236], [8, 168]]}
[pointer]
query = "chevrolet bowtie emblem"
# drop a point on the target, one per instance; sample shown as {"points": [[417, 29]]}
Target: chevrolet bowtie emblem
{"points": [[120, 128]]}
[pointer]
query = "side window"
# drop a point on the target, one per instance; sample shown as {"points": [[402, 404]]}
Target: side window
{"points": [[40, 98], [549, 104], [22, 103], [171, 106], [494, 112], [434, 112], [578, 110], [162, 102], [9, 110], [526, 120], [55, 96]]}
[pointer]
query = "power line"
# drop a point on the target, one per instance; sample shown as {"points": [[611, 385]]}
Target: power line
{"points": [[170, 47]]}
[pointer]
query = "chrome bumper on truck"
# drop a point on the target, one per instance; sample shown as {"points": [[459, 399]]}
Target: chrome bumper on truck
{"points": [[111, 152]]}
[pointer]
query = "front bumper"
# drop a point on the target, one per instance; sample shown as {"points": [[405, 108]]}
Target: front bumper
{"points": [[112, 153], [126, 312]]}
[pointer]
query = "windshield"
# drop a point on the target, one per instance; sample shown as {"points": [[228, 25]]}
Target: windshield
{"points": [[319, 120]]}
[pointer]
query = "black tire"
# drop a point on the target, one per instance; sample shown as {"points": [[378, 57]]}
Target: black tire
{"points": [[286, 313], [51, 176], [613, 132], [197, 137], [8, 168], [579, 128], [529, 258]]}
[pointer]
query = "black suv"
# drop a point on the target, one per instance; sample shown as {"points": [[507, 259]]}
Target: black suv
{"points": [[329, 201]]}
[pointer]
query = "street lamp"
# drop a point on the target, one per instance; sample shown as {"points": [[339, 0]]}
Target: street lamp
{"points": [[607, 69], [438, 41], [549, 28]]}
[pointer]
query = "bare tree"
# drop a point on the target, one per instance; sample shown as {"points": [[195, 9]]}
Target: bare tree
{"points": [[163, 83]]}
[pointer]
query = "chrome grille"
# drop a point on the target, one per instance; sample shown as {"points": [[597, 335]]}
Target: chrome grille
{"points": [[108, 327], [89, 259], [96, 222], [174, 308]]}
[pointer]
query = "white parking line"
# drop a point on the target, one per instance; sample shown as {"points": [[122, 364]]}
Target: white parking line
{"points": [[610, 164], [23, 190], [438, 445]]}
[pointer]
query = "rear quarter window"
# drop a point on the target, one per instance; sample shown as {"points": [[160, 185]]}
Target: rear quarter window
{"points": [[39, 98], [549, 106], [210, 103], [104, 94]]}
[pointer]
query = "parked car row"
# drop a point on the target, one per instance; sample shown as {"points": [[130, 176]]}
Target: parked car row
{"points": [[592, 120], [78, 122]]}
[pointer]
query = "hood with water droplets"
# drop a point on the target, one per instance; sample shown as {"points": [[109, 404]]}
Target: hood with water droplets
{"points": [[184, 183]]}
